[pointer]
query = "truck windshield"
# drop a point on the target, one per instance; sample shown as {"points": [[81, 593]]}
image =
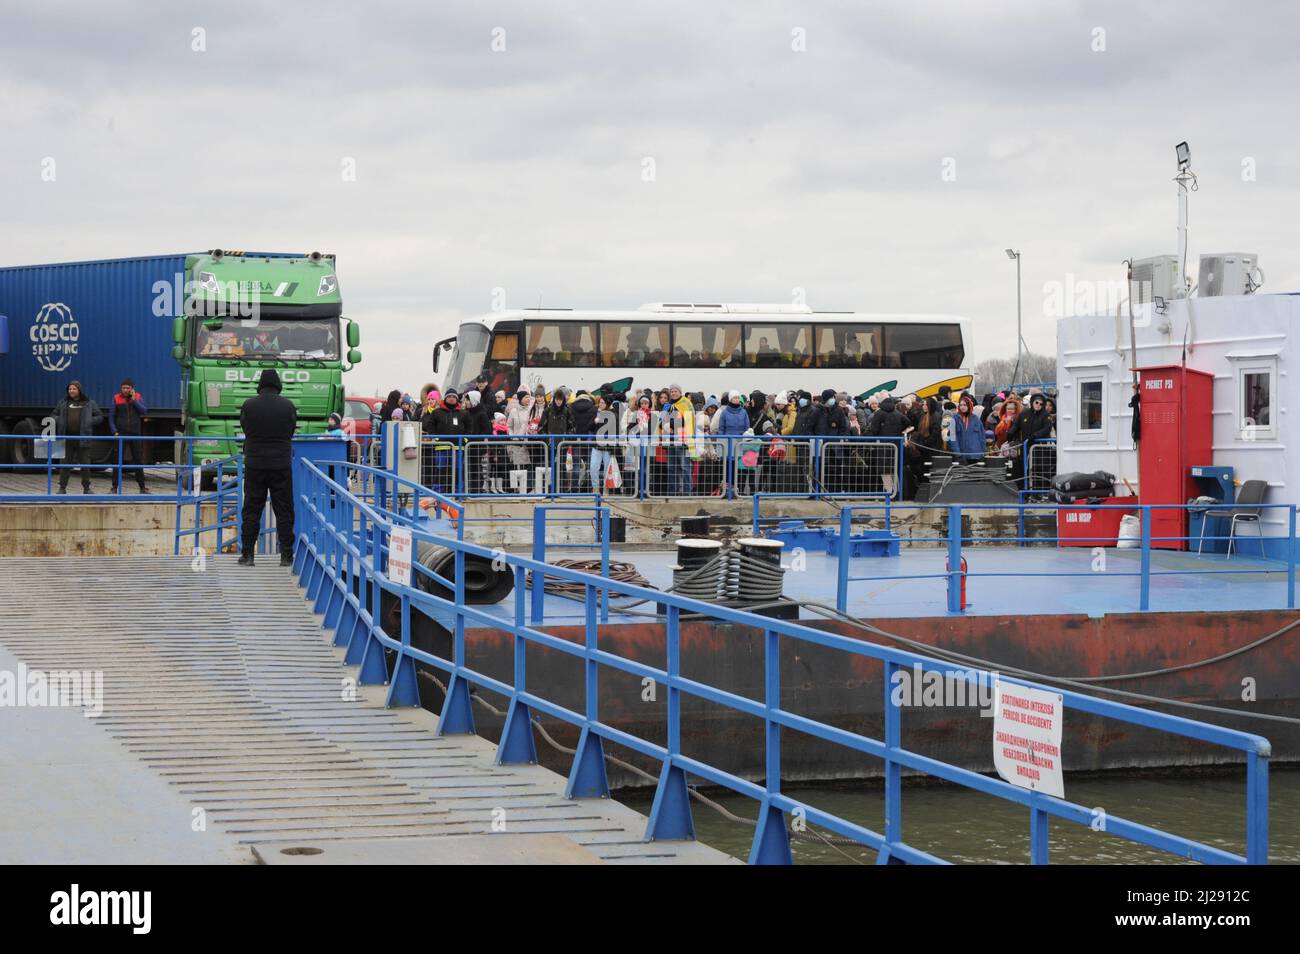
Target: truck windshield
{"points": [[468, 356], [271, 338]]}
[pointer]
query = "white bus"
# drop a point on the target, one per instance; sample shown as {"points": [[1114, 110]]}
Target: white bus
{"points": [[711, 349]]}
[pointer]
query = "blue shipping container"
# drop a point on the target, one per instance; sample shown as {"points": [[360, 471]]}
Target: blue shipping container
{"points": [[93, 322]]}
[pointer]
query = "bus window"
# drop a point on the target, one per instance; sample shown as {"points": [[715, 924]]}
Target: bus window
{"points": [[848, 346], [633, 346], [502, 366], [778, 346], [561, 344], [706, 346], [468, 358], [923, 346]]}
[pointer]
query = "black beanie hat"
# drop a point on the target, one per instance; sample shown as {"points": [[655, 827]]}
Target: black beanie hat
{"points": [[269, 379], [127, 382]]}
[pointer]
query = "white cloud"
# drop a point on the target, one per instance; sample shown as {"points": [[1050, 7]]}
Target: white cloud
{"points": [[775, 169]]}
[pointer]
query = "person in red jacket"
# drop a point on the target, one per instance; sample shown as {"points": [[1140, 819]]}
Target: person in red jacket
{"points": [[126, 419]]}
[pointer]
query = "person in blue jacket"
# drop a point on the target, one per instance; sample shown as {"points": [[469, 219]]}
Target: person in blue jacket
{"points": [[733, 421], [967, 431]]}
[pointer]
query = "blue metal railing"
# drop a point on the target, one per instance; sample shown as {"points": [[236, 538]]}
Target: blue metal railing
{"points": [[540, 545], [341, 560], [953, 540], [719, 465], [225, 502], [54, 465]]}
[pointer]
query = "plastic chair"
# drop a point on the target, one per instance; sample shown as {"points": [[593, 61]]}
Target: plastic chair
{"points": [[1246, 510]]}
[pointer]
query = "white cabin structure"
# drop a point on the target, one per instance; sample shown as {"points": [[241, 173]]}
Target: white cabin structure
{"points": [[1242, 340]]}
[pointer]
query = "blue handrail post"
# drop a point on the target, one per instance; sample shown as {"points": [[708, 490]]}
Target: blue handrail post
{"points": [[604, 560], [1256, 809], [517, 746], [587, 777], [842, 571], [1290, 558], [771, 845], [893, 771], [539, 554], [954, 560], [898, 487], [756, 508], [1037, 833], [1144, 600], [670, 813]]}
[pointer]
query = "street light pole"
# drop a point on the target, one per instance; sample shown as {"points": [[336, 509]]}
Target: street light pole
{"points": [[1020, 338]]}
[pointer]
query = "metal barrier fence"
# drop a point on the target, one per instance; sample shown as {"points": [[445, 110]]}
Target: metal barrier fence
{"points": [[1040, 464], [644, 467], [953, 540], [341, 560], [91, 459]]}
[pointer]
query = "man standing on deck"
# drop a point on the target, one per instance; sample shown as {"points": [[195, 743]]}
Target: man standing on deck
{"points": [[126, 419], [268, 423]]}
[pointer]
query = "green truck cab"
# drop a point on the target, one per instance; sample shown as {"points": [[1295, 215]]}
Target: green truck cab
{"points": [[243, 313]]}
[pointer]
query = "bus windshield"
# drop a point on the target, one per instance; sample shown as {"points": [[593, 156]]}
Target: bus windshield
{"points": [[468, 356], [269, 338]]}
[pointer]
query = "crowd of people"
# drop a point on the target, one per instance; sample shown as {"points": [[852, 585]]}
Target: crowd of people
{"points": [[668, 431]]}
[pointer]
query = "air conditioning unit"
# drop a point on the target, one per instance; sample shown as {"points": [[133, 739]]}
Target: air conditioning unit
{"points": [[1228, 273], [1154, 278]]}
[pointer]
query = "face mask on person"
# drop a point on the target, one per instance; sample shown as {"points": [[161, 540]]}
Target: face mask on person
{"points": [[803, 402]]}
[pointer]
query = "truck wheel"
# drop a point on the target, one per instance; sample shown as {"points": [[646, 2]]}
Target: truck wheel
{"points": [[22, 451], [208, 482]]}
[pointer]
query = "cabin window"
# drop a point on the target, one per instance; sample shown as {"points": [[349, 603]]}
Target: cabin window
{"points": [[560, 344], [1256, 397], [706, 346], [639, 345], [1092, 394]]}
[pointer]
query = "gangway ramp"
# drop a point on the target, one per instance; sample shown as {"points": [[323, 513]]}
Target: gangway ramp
{"points": [[226, 710]]}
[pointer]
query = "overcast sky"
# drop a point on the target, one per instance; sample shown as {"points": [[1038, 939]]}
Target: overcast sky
{"points": [[794, 146]]}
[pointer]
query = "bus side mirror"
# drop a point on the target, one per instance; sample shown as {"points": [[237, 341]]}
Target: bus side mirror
{"points": [[354, 356], [178, 352], [437, 352], [354, 334], [178, 330]]}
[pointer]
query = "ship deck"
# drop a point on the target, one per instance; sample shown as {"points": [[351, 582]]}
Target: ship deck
{"points": [[1003, 580]]}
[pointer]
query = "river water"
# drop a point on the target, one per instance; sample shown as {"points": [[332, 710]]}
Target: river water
{"points": [[968, 827]]}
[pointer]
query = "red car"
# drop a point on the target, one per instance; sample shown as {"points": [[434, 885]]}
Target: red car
{"points": [[356, 421]]}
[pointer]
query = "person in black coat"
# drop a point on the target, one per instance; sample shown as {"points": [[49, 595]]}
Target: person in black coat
{"points": [[832, 420], [450, 420], [556, 419], [75, 416], [805, 419], [888, 421], [268, 422], [583, 414]]}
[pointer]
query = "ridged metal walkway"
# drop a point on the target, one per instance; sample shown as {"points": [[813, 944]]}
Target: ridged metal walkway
{"points": [[221, 684]]}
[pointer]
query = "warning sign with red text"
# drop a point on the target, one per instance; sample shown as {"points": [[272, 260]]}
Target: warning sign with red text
{"points": [[1027, 737], [399, 555]]}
